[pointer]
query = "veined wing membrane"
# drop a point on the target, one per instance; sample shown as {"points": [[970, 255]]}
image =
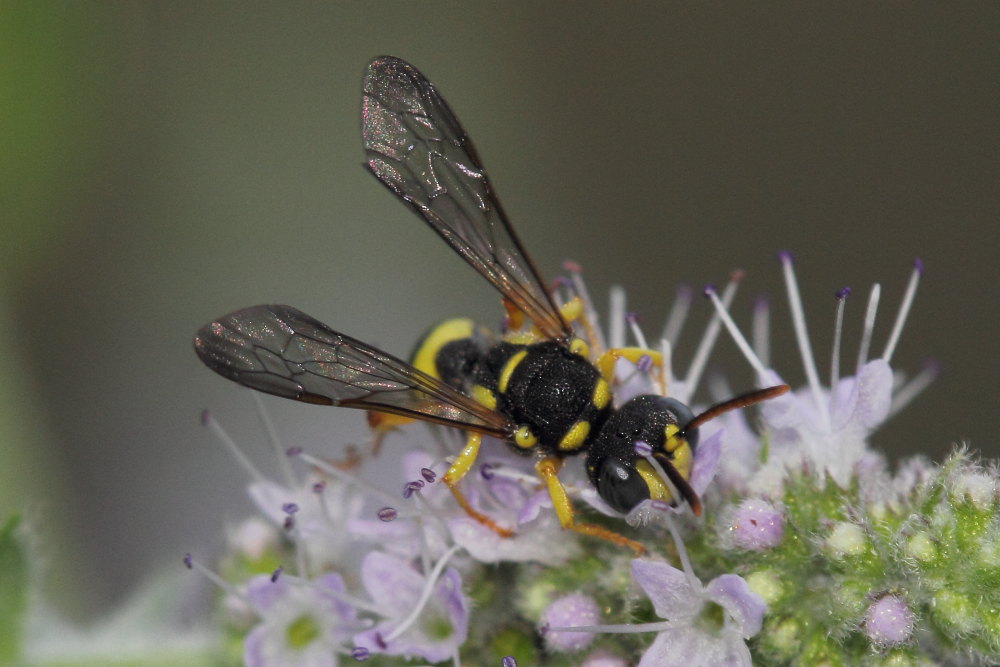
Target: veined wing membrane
{"points": [[282, 351], [418, 149]]}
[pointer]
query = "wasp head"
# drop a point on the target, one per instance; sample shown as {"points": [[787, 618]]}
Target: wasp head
{"points": [[622, 477]]}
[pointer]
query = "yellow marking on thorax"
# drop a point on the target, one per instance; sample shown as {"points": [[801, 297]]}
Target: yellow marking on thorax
{"points": [[508, 370], [444, 333], [578, 347], [484, 396], [602, 394], [524, 438], [575, 436], [522, 337]]}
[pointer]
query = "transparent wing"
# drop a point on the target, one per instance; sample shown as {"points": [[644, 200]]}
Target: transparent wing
{"points": [[418, 149], [282, 351]]}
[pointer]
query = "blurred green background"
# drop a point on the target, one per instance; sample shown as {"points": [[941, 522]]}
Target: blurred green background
{"points": [[163, 163]]}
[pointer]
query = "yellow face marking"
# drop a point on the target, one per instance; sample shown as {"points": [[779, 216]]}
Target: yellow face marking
{"points": [[658, 489], [508, 370], [578, 347], [484, 396], [682, 456], [670, 438], [602, 394], [575, 436], [524, 438]]}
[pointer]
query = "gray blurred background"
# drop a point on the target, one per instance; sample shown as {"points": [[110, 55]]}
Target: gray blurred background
{"points": [[165, 163]]}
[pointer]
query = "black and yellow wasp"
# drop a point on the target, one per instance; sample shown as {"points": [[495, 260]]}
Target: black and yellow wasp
{"points": [[536, 388]]}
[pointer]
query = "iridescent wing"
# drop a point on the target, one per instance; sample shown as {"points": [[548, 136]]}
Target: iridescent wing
{"points": [[418, 149], [282, 351]]}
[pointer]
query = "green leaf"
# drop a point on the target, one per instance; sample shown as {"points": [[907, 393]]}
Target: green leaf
{"points": [[13, 591]]}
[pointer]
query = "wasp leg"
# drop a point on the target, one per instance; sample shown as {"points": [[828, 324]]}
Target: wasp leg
{"points": [[462, 465], [606, 362], [574, 311], [548, 469], [381, 424]]}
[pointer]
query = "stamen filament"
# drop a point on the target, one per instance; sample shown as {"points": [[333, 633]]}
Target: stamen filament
{"points": [[700, 358], [913, 388], [622, 629], [679, 311], [272, 436], [838, 328], [424, 595], [802, 336], [616, 306], [343, 476], [217, 580], [576, 276], [761, 331], [737, 335], [869, 326], [223, 436], [904, 311], [633, 324]]}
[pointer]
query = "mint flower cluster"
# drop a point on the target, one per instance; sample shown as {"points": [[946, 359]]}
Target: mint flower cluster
{"points": [[810, 549]]}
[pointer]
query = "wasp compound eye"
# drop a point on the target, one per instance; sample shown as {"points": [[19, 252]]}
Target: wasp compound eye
{"points": [[620, 485]]}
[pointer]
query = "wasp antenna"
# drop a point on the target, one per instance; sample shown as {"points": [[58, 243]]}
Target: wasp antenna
{"points": [[735, 403], [682, 486]]}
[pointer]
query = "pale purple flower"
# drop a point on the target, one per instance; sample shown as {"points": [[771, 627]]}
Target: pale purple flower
{"points": [[823, 428], [889, 621], [301, 622], [321, 517], [397, 591], [603, 658], [692, 634], [574, 610], [756, 525]]}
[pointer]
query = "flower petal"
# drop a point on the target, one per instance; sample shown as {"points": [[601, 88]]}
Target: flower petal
{"points": [[667, 588], [743, 605]]}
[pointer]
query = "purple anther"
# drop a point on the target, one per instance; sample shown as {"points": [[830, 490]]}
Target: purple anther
{"points": [[843, 293], [642, 448], [428, 475], [387, 514], [933, 366], [206, 417], [918, 264], [380, 641], [412, 487], [319, 487], [708, 290], [786, 257], [292, 452], [486, 470], [737, 275], [632, 317], [277, 573], [289, 508], [644, 363], [188, 561], [289, 522], [360, 653], [563, 281], [508, 661]]}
